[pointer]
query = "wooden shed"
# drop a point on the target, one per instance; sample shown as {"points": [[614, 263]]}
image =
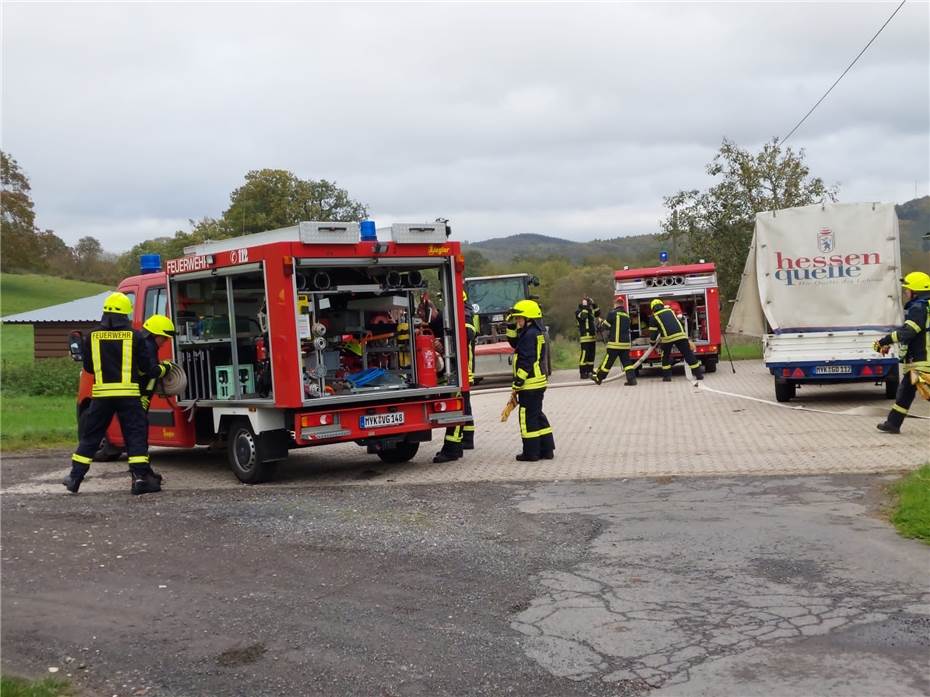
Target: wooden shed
{"points": [[51, 326]]}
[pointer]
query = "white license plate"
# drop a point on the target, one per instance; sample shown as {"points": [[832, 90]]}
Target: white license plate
{"points": [[378, 420], [832, 369], [497, 318]]}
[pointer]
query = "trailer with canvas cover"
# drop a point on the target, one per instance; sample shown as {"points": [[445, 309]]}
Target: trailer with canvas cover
{"points": [[820, 285]]}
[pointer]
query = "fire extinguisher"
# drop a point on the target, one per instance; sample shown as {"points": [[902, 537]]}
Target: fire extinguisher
{"points": [[426, 361]]}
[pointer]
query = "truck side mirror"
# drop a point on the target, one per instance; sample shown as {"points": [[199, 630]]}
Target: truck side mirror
{"points": [[75, 345], [534, 281]]}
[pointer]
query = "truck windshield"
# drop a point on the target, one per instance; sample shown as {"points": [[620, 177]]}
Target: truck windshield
{"points": [[495, 295]]}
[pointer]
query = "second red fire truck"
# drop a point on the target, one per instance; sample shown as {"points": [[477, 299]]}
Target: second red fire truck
{"points": [[689, 289], [306, 336]]}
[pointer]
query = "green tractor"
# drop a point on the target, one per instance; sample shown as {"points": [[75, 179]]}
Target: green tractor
{"points": [[491, 298]]}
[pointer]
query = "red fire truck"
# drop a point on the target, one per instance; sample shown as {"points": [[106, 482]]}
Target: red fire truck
{"points": [[305, 336], [689, 289]]}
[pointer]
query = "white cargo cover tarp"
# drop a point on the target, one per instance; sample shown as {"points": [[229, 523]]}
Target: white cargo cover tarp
{"points": [[833, 267]]}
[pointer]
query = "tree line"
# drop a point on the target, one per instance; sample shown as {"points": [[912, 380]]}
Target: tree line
{"points": [[714, 224]]}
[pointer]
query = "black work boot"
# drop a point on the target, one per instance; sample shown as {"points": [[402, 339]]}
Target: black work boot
{"points": [[468, 440], [699, 373], [73, 481], [630, 378], [521, 457], [888, 427], [666, 378], [145, 481], [597, 378], [443, 456]]}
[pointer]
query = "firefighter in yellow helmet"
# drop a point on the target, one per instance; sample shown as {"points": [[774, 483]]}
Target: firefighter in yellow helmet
{"points": [[587, 315], [117, 356], [526, 334], [914, 338], [667, 328], [156, 331], [461, 438]]}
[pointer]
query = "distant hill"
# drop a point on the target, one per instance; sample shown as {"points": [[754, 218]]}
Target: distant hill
{"points": [[633, 249], [914, 219]]}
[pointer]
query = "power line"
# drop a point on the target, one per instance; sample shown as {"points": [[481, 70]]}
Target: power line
{"points": [[790, 133]]}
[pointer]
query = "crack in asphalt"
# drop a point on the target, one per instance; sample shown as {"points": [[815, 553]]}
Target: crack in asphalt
{"points": [[650, 608]]}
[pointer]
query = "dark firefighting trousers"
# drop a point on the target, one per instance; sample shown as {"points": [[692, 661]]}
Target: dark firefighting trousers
{"points": [[586, 358], [534, 426], [685, 349], [626, 365], [93, 427], [902, 401], [459, 438]]}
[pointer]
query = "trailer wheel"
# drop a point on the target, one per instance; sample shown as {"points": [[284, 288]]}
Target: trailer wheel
{"points": [[784, 391], [710, 364], [404, 452], [244, 454], [891, 387]]}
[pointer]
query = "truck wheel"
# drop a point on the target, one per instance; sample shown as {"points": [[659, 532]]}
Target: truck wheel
{"points": [[784, 391], [107, 452], [891, 387], [402, 453], [710, 365], [244, 454]]}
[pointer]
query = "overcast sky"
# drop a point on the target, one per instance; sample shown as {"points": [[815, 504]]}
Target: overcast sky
{"points": [[568, 120]]}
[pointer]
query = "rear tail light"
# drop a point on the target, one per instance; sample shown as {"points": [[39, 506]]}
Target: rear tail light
{"points": [[866, 370], [798, 373], [447, 405], [307, 420]]}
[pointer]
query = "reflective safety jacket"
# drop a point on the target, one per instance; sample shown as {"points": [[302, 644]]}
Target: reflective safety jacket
{"points": [[119, 358], [587, 322], [529, 346], [471, 333], [914, 334], [666, 325], [618, 329]]}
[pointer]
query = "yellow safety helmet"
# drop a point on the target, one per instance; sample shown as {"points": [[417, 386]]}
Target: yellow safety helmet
{"points": [[464, 295], [159, 325], [118, 303], [917, 281], [526, 308], [656, 304]]}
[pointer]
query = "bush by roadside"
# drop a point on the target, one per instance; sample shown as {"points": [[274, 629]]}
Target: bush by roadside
{"points": [[47, 377], [911, 512]]}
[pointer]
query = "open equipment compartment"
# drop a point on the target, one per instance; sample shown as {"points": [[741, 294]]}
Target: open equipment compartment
{"points": [[359, 330], [222, 334]]}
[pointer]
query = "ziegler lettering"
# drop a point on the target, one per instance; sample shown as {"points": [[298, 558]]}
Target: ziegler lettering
{"points": [[821, 268], [186, 264], [436, 251]]}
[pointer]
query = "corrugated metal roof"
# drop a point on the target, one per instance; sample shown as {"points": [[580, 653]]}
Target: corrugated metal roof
{"points": [[81, 310]]}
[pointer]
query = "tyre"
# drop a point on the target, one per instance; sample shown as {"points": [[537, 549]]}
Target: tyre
{"points": [[710, 365], [402, 453], [891, 387], [245, 454], [784, 391], [107, 452]]}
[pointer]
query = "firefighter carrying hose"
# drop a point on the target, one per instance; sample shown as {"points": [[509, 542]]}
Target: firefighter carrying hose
{"points": [[667, 328], [587, 315], [618, 343], [525, 333], [914, 337], [156, 330], [117, 356], [460, 438]]}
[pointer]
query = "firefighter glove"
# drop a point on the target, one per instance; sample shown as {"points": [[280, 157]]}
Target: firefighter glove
{"points": [[518, 382], [145, 402]]}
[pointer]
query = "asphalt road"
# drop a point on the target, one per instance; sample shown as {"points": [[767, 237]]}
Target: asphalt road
{"points": [[648, 586]]}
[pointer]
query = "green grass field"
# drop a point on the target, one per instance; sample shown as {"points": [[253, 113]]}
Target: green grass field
{"points": [[911, 514], [21, 292], [37, 422], [33, 421], [49, 687]]}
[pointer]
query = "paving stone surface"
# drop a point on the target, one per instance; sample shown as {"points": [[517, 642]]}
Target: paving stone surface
{"points": [[604, 432]]}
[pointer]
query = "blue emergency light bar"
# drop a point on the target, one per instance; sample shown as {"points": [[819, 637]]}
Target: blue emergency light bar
{"points": [[150, 263], [369, 231]]}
